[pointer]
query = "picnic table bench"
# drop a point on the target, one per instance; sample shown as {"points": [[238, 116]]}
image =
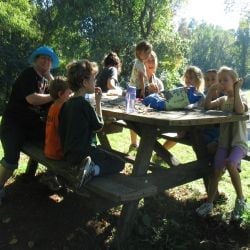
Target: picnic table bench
{"points": [[147, 179], [123, 187]]}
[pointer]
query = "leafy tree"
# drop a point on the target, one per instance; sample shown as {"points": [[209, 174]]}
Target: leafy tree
{"points": [[83, 28], [212, 47], [18, 34], [243, 50]]}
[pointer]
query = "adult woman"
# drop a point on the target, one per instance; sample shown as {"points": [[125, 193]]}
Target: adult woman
{"points": [[108, 78], [24, 114]]}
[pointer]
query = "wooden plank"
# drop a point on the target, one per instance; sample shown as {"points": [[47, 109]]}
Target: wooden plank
{"points": [[127, 187], [164, 178], [170, 118], [114, 187], [121, 188]]}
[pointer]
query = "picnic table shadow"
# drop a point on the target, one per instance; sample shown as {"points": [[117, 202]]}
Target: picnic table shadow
{"points": [[32, 214]]}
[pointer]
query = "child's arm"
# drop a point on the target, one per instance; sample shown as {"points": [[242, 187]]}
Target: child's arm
{"points": [[98, 97], [209, 102], [239, 106]]}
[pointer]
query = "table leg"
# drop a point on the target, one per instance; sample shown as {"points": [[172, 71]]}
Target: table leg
{"points": [[200, 150], [104, 140], [128, 213], [31, 168], [170, 159], [126, 222]]}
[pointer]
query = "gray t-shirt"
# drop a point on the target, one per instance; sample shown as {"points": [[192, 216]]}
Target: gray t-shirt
{"points": [[235, 131]]}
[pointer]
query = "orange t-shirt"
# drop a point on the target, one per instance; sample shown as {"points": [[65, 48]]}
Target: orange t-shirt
{"points": [[53, 147]]}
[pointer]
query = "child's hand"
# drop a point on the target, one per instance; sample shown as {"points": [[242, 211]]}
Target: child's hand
{"points": [[238, 83], [98, 95], [214, 87]]}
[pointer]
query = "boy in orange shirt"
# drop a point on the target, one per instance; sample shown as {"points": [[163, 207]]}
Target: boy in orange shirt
{"points": [[60, 93]]}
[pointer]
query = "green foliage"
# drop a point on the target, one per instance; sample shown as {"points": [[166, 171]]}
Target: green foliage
{"points": [[211, 47], [246, 219], [92, 29], [18, 34], [243, 49]]}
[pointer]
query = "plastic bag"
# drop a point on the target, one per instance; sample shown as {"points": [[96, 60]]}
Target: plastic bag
{"points": [[177, 98]]}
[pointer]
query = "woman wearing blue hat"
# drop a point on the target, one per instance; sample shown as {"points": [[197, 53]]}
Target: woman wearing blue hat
{"points": [[23, 119]]}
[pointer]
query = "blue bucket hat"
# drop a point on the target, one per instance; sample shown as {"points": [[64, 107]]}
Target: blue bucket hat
{"points": [[47, 51]]}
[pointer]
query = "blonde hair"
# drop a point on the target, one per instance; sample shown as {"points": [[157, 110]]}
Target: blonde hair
{"points": [[154, 56], [232, 73], [198, 75]]}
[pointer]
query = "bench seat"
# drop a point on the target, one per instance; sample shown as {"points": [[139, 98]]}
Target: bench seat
{"points": [[122, 187]]}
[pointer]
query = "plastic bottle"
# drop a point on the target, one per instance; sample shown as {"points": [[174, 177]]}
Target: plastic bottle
{"points": [[130, 99]]}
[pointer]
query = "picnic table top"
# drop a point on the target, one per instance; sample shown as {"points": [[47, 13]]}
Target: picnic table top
{"points": [[115, 106]]}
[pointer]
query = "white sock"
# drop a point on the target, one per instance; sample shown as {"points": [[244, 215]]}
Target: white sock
{"points": [[97, 170]]}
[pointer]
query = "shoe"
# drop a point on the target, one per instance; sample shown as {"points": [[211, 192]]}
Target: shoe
{"points": [[132, 147], [205, 209], [239, 209], [2, 195], [86, 172], [51, 181]]}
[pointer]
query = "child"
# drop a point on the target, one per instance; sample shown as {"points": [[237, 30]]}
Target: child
{"points": [[60, 93], [232, 140], [153, 83], [211, 134], [210, 78], [108, 79], [193, 76], [78, 122], [138, 77]]}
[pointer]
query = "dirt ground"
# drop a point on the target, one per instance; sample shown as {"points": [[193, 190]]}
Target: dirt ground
{"points": [[33, 217]]}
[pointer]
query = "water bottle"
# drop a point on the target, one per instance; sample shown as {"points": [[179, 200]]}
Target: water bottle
{"points": [[130, 99]]}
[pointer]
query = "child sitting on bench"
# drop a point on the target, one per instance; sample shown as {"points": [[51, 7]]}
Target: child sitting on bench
{"points": [[79, 121]]}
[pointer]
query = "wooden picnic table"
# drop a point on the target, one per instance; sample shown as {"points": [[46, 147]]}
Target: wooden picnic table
{"points": [[147, 179], [149, 125]]}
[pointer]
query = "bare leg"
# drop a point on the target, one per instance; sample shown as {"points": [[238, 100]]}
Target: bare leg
{"points": [[236, 181], [169, 144], [133, 137], [5, 174], [213, 185]]}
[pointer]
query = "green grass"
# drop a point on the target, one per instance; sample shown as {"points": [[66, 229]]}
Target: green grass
{"points": [[196, 188]]}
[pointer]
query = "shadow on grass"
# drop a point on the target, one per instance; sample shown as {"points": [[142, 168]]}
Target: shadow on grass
{"points": [[169, 221], [34, 216]]}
